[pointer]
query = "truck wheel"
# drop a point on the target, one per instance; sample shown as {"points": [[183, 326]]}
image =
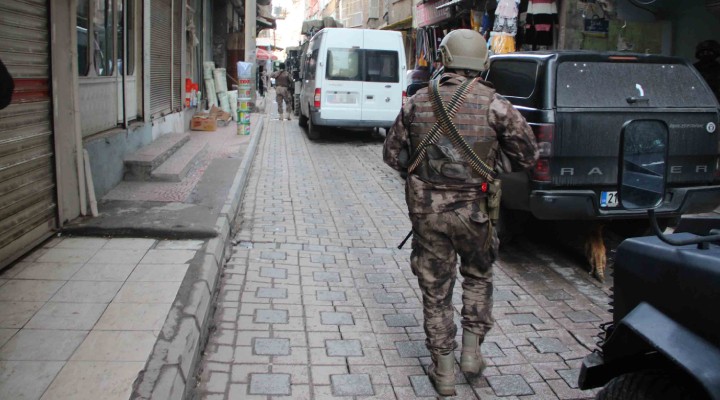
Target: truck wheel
{"points": [[313, 132], [650, 385], [302, 120]]}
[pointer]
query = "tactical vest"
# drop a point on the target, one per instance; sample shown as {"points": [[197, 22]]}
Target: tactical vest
{"points": [[283, 79], [444, 164]]}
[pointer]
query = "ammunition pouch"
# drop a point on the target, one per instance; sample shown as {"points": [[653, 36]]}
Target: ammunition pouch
{"points": [[493, 200]]}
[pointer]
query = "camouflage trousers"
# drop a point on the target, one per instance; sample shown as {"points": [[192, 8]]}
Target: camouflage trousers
{"points": [[437, 241], [283, 94]]}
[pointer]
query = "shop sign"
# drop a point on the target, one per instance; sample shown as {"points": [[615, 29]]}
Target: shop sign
{"points": [[428, 13]]}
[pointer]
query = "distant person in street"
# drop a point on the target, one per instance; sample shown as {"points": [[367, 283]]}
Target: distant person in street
{"points": [[7, 86], [449, 137], [261, 81], [283, 80], [707, 53]]}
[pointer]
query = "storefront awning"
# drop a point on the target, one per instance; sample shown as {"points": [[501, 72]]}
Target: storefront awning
{"points": [[399, 25], [264, 55]]}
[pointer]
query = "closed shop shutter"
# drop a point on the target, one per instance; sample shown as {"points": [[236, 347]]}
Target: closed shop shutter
{"points": [[28, 209], [165, 46]]}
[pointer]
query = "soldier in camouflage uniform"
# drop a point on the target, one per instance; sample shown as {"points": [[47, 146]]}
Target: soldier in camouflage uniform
{"points": [[283, 80], [448, 201]]}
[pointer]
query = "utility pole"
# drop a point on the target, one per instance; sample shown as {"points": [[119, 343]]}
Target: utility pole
{"points": [[250, 43]]}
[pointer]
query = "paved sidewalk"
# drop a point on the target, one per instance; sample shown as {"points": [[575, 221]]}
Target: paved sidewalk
{"points": [[316, 302], [79, 316], [118, 318]]}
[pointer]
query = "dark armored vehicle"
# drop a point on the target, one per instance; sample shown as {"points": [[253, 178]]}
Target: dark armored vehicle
{"points": [[664, 339], [577, 103]]}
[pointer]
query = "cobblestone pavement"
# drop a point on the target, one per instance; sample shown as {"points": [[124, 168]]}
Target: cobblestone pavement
{"points": [[316, 301]]}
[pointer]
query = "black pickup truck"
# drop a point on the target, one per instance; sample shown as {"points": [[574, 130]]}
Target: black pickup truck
{"points": [[577, 103]]}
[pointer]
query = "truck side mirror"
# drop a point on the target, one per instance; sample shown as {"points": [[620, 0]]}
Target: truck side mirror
{"points": [[644, 155]]}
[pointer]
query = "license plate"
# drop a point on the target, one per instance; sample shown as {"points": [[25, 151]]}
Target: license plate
{"points": [[342, 98], [608, 199]]}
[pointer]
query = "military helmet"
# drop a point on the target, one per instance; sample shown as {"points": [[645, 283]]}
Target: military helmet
{"points": [[706, 48], [464, 49]]}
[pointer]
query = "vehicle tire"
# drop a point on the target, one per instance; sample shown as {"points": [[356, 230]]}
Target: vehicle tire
{"points": [[313, 131], [650, 385], [302, 120]]}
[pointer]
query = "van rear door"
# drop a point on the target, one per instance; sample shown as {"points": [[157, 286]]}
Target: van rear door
{"points": [[383, 81], [341, 90]]}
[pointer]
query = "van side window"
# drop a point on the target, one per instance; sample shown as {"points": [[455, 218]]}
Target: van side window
{"points": [[382, 66], [343, 64], [513, 78], [310, 65]]}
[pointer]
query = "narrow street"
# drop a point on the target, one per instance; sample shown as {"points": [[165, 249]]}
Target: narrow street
{"points": [[317, 302]]}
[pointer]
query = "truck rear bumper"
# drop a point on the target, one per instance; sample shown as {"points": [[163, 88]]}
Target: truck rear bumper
{"points": [[584, 204]]}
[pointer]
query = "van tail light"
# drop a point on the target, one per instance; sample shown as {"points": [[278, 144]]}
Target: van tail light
{"points": [[317, 98], [404, 97], [541, 172], [544, 135]]}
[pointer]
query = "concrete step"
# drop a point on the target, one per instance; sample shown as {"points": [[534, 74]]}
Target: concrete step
{"points": [[140, 164], [177, 166]]}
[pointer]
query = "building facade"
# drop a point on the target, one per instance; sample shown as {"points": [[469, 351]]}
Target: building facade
{"points": [[95, 80]]}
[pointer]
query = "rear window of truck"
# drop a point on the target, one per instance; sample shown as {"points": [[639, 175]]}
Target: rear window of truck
{"points": [[513, 78], [362, 65], [617, 84]]}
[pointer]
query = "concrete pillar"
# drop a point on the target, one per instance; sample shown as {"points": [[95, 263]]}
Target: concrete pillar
{"points": [[250, 36]]}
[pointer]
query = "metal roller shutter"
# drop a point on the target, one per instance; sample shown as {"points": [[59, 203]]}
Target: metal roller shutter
{"points": [[165, 48], [28, 208]]}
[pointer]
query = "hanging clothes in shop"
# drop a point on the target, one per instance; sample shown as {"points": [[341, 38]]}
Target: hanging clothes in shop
{"points": [[541, 19], [502, 38]]}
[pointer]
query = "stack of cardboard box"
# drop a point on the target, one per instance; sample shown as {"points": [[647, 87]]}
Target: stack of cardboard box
{"points": [[208, 121]]}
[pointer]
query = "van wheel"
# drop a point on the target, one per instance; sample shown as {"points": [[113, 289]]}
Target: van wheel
{"points": [[302, 120], [650, 385], [313, 132]]}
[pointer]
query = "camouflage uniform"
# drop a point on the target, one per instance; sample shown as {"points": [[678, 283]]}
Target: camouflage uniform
{"points": [[283, 80], [447, 205]]}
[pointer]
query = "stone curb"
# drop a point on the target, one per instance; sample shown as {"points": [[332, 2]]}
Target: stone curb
{"points": [[169, 371]]}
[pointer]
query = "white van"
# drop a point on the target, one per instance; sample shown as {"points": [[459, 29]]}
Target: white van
{"points": [[352, 78]]}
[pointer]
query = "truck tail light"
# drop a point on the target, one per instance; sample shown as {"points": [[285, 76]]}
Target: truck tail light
{"points": [[317, 98], [541, 172], [404, 97], [544, 135]]}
